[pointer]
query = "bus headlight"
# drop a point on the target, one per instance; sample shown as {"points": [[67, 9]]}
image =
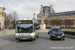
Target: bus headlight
{"points": [[17, 34], [32, 34]]}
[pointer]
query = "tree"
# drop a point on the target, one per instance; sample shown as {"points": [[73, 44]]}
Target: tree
{"points": [[10, 19], [14, 18]]}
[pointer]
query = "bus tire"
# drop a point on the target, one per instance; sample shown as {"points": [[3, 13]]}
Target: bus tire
{"points": [[20, 40], [38, 35]]}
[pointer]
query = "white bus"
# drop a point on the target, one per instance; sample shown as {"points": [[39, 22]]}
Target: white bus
{"points": [[26, 29]]}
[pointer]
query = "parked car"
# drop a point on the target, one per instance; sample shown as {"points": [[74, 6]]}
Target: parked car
{"points": [[56, 33]]}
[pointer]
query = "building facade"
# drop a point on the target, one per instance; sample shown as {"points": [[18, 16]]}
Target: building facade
{"points": [[51, 19], [2, 15]]}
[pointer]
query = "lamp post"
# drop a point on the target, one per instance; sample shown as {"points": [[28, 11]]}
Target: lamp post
{"points": [[34, 16], [33, 20]]}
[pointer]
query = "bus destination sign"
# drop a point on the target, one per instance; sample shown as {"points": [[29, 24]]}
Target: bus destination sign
{"points": [[21, 22]]}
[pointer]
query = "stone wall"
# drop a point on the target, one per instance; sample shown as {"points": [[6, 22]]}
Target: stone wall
{"points": [[7, 31]]}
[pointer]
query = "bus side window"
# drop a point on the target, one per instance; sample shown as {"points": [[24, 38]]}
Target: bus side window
{"points": [[36, 26], [16, 29]]}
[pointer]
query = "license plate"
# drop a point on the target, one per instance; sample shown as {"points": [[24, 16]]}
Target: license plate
{"points": [[24, 38], [58, 36], [24, 34]]}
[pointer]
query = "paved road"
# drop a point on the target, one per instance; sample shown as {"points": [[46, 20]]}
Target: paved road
{"points": [[41, 43]]}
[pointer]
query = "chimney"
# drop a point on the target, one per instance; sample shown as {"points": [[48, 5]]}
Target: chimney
{"points": [[51, 9]]}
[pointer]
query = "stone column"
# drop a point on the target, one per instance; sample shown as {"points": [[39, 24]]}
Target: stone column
{"points": [[42, 25]]}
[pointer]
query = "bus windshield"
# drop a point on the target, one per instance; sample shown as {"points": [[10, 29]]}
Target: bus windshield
{"points": [[25, 28]]}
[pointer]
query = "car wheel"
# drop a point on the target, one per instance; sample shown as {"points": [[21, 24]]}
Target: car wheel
{"points": [[51, 38], [63, 39]]}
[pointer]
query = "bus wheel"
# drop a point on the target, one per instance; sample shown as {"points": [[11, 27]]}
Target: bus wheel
{"points": [[20, 40], [38, 35], [35, 38]]}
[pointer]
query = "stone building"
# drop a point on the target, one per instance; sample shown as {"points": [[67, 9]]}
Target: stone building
{"points": [[2, 14], [51, 19]]}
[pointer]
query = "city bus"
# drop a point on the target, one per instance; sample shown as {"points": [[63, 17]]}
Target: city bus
{"points": [[26, 29]]}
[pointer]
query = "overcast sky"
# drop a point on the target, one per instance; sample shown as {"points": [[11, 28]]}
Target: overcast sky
{"points": [[26, 8]]}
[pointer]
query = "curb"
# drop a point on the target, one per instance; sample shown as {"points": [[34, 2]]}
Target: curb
{"points": [[70, 36]]}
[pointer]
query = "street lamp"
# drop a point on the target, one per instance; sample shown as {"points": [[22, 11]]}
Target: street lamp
{"points": [[33, 20], [34, 16]]}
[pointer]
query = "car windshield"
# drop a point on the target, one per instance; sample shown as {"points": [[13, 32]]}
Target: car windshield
{"points": [[57, 30]]}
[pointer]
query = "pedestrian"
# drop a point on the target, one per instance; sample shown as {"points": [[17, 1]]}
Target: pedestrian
{"points": [[9, 28]]}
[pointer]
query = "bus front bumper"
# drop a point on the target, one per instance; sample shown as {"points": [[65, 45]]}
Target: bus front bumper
{"points": [[24, 37]]}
